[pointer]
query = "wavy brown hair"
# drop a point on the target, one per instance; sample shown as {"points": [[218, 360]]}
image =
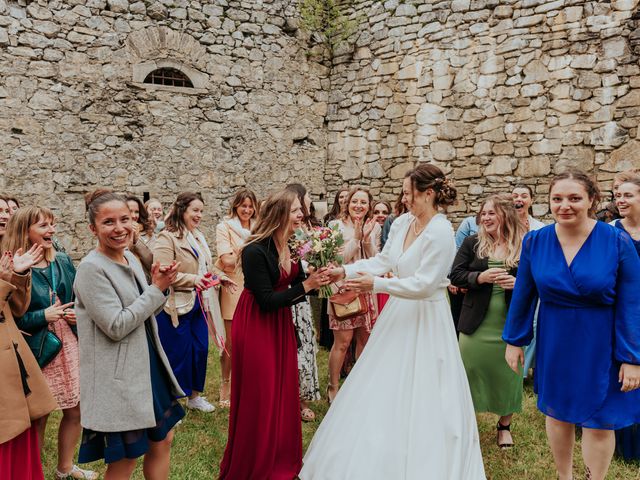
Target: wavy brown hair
{"points": [[352, 192], [175, 219], [510, 231], [273, 218], [427, 176], [239, 198]]}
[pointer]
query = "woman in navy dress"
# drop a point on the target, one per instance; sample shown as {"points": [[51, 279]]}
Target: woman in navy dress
{"points": [[586, 275], [628, 203]]}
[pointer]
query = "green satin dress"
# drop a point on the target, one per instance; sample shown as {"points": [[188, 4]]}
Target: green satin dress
{"points": [[494, 386]]}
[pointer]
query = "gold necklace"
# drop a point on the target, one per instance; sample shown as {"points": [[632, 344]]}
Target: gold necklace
{"points": [[417, 232]]}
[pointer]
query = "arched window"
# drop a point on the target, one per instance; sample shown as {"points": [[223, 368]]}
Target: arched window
{"points": [[171, 77]]}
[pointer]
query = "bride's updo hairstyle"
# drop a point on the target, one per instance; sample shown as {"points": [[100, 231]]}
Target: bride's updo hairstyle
{"points": [[94, 200], [426, 176]]}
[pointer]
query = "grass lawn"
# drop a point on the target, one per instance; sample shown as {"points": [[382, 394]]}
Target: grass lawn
{"points": [[200, 441]]}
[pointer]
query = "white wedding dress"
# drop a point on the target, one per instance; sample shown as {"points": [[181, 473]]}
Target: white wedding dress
{"points": [[405, 411]]}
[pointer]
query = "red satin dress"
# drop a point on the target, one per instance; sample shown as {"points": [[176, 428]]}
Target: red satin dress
{"points": [[265, 433]]}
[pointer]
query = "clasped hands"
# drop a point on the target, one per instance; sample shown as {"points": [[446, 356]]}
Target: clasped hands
{"points": [[361, 284], [498, 276]]}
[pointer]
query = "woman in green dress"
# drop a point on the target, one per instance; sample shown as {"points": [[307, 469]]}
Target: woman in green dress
{"points": [[486, 266]]}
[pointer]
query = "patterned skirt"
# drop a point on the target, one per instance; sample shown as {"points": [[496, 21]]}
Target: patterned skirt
{"points": [[307, 350], [63, 373]]}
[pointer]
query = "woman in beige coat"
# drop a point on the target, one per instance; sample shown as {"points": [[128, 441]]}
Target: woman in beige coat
{"points": [[25, 395], [231, 234], [183, 323]]}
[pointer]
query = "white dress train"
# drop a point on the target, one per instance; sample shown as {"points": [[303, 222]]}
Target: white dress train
{"points": [[405, 411]]}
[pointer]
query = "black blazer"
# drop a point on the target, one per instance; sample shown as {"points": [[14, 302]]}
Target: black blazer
{"points": [[466, 269], [262, 272]]}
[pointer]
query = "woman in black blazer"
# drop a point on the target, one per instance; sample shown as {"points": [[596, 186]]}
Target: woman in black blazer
{"points": [[265, 436], [486, 266]]}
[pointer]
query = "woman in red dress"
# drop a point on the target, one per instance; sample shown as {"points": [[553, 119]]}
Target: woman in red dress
{"points": [[265, 436]]}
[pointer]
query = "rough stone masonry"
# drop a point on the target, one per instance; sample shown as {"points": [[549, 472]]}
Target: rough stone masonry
{"points": [[495, 92]]}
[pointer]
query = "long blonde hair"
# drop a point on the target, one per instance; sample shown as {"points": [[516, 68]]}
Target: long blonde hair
{"points": [[274, 216], [510, 230], [17, 234]]}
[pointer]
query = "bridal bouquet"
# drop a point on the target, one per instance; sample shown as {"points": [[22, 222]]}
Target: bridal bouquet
{"points": [[319, 247]]}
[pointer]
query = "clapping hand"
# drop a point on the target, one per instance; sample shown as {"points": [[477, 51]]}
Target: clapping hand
{"points": [[361, 284], [367, 229], [229, 284], [6, 266], [163, 276], [629, 376], [24, 261]]}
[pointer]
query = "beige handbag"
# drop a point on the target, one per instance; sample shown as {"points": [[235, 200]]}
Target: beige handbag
{"points": [[348, 304], [174, 311]]}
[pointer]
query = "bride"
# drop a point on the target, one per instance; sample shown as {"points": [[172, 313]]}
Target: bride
{"points": [[405, 411]]}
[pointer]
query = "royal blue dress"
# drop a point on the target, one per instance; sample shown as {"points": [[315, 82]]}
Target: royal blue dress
{"points": [[588, 324], [628, 438]]}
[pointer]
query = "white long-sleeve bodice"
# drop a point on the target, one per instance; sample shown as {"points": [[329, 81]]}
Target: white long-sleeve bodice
{"points": [[419, 272]]}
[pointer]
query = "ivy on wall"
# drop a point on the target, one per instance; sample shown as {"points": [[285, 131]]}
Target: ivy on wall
{"points": [[325, 19]]}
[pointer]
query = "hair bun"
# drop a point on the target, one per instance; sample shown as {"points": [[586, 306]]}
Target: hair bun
{"points": [[446, 194], [91, 197]]}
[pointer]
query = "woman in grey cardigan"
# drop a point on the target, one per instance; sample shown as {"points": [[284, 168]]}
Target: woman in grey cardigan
{"points": [[127, 389]]}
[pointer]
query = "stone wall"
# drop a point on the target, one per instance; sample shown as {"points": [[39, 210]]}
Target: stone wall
{"points": [[75, 113], [494, 92]]}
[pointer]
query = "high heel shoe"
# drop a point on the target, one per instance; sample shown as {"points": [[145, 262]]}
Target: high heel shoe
{"points": [[330, 399], [502, 428]]}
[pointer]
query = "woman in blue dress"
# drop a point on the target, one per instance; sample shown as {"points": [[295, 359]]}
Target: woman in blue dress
{"points": [[628, 203], [586, 275]]}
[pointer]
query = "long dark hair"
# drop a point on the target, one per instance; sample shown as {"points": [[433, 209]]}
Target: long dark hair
{"points": [[175, 219], [143, 215], [335, 208]]}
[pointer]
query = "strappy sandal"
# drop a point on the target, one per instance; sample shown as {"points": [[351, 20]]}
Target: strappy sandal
{"points": [[329, 398], [77, 473], [502, 428], [227, 402], [307, 415]]}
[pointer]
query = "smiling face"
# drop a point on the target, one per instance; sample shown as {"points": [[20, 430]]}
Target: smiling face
{"points": [[113, 227], [380, 213], [415, 200], [155, 210], [628, 199], [569, 202], [295, 217], [5, 215], [245, 211], [13, 206], [193, 215], [42, 232], [358, 205], [490, 220], [521, 200], [134, 209], [342, 199]]}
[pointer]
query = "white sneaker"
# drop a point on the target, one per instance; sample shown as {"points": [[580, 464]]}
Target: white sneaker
{"points": [[200, 403]]}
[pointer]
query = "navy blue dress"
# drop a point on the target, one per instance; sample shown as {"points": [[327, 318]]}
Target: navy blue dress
{"points": [[588, 324], [628, 438], [115, 446]]}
